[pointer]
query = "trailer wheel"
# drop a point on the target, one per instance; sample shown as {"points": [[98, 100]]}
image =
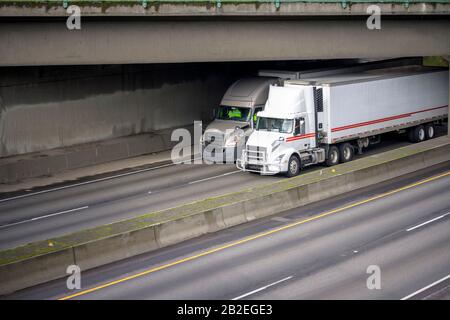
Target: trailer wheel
{"points": [[429, 131], [333, 156], [346, 152], [419, 134], [293, 166]]}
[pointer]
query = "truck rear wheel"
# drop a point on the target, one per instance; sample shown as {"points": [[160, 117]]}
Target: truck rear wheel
{"points": [[293, 166], [429, 131], [419, 134], [333, 156], [346, 152]]}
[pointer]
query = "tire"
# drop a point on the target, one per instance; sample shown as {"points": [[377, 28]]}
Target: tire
{"points": [[293, 166], [419, 134], [346, 152], [429, 131], [333, 156]]}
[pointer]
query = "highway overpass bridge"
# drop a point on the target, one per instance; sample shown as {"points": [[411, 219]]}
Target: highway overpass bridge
{"points": [[123, 32]]}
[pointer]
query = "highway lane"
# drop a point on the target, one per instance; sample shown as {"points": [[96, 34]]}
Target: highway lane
{"points": [[319, 251], [52, 214], [63, 210]]}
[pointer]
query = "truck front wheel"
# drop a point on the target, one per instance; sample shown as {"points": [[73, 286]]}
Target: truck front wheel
{"points": [[293, 166], [333, 156]]}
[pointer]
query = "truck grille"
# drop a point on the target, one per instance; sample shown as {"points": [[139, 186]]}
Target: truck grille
{"points": [[256, 154]]}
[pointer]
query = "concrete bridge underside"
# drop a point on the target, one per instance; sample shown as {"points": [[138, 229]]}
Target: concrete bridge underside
{"points": [[103, 40]]}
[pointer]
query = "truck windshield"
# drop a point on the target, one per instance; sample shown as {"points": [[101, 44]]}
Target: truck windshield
{"points": [[233, 113], [273, 124]]}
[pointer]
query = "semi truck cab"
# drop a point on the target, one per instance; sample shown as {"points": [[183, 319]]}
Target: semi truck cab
{"points": [[286, 127], [235, 118]]}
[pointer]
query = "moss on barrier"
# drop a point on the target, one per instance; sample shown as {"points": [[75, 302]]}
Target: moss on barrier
{"points": [[84, 236]]}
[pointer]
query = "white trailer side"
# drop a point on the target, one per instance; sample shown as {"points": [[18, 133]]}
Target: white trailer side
{"points": [[355, 108]]}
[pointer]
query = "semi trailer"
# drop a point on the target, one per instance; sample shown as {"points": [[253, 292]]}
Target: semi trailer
{"points": [[235, 119], [328, 119]]}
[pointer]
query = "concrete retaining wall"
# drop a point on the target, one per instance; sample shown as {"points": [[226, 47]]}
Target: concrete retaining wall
{"points": [[55, 161], [23, 266], [54, 107]]}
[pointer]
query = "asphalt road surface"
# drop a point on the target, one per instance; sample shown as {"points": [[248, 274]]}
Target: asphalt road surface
{"points": [[51, 212], [326, 250]]}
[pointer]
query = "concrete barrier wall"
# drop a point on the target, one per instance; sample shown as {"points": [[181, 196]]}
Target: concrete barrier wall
{"points": [[219, 213], [46, 108], [128, 244], [40, 269]]}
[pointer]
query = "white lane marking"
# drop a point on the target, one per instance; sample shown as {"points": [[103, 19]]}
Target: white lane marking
{"points": [[192, 182], [427, 222], [214, 177], [426, 288], [262, 288], [92, 181], [45, 216]]}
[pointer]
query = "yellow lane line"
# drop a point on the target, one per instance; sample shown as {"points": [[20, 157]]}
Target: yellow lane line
{"points": [[260, 235]]}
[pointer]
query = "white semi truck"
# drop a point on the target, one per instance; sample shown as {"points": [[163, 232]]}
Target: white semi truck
{"points": [[235, 118], [328, 119]]}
